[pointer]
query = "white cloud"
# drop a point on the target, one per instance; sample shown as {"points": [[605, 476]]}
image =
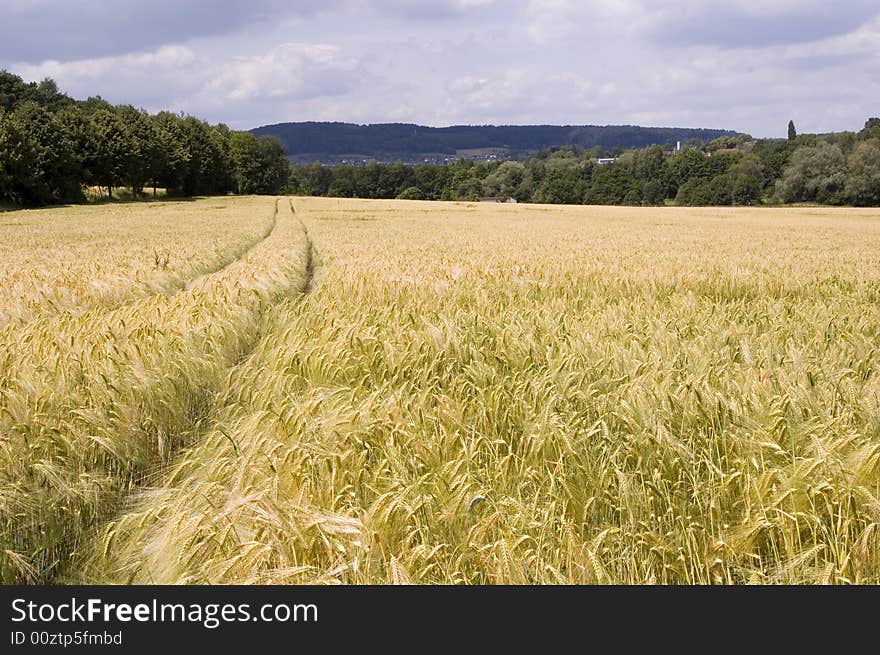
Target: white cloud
{"points": [[91, 70], [177, 78], [594, 21], [287, 71]]}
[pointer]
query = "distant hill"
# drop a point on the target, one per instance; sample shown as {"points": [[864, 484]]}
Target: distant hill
{"points": [[332, 142]]}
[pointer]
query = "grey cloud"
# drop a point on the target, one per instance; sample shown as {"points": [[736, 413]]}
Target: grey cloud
{"points": [[733, 26], [60, 29], [434, 9], [819, 62]]}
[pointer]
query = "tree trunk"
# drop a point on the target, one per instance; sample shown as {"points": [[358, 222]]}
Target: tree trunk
{"points": [[110, 191]]}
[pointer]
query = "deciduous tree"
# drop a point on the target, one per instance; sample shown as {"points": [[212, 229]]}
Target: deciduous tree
{"points": [[863, 180]]}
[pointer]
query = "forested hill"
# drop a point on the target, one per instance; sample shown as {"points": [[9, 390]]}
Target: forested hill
{"points": [[328, 141]]}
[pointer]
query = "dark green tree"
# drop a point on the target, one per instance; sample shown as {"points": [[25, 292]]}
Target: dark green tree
{"points": [[411, 193], [613, 184], [687, 165], [863, 180], [20, 177], [274, 171], [562, 182], [345, 182], [142, 141], [205, 163], [42, 155], [431, 179], [510, 179], [746, 180], [792, 132], [871, 129], [311, 180], [814, 174], [773, 155], [244, 151], [110, 149], [13, 91]]}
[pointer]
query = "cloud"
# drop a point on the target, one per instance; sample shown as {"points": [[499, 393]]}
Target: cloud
{"points": [[520, 95], [177, 78], [742, 64], [428, 9], [37, 30], [289, 70], [748, 23], [730, 24], [591, 21], [149, 79]]}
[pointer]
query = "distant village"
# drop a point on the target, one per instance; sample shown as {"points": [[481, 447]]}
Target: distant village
{"points": [[485, 155], [406, 158]]}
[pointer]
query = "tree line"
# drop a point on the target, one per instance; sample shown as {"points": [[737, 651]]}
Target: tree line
{"points": [[841, 168], [52, 147]]}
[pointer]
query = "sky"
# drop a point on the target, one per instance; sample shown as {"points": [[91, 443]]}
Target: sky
{"points": [[747, 65]]}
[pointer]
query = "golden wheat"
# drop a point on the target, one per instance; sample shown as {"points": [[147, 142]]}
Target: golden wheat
{"points": [[93, 402], [528, 394], [54, 261]]}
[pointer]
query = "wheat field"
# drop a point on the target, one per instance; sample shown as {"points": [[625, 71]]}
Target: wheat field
{"points": [[376, 392], [54, 261]]}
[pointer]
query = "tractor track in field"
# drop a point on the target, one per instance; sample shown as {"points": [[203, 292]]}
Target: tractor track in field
{"points": [[65, 558], [174, 288], [204, 421], [189, 284], [308, 284]]}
